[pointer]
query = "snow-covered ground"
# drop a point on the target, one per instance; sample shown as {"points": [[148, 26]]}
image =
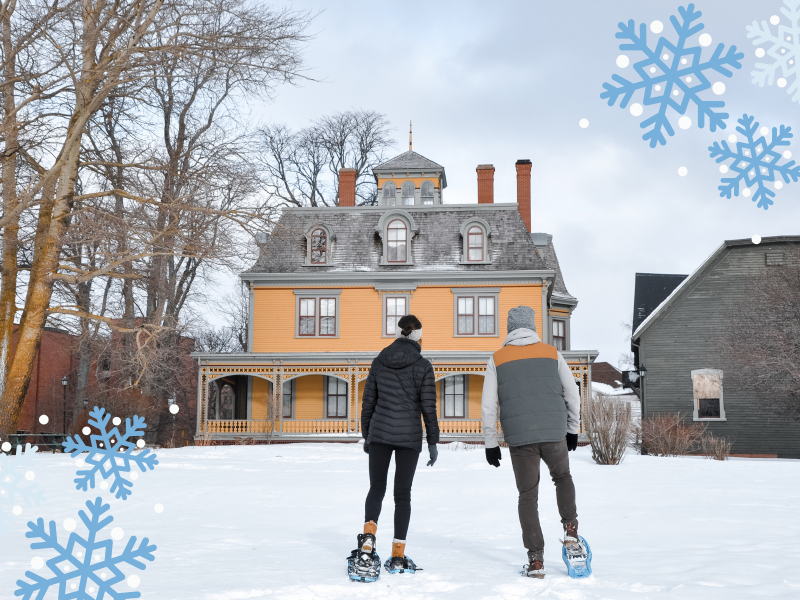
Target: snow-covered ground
{"points": [[279, 521]]}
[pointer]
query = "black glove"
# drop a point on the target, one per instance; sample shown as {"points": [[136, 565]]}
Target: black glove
{"points": [[493, 456], [366, 447], [434, 452], [572, 441]]}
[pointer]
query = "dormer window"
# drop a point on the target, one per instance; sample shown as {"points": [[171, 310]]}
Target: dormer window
{"points": [[319, 247], [475, 234], [389, 193], [397, 242], [407, 193], [475, 244], [426, 192]]}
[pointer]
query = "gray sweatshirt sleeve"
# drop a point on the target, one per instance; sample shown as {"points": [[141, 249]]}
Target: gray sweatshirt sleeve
{"points": [[572, 397], [489, 405]]}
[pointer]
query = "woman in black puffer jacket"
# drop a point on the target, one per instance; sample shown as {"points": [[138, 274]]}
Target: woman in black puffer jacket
{"points": [[400, 388]]}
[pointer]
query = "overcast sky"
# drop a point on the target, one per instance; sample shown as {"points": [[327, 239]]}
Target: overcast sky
{"points": [[496, 82]]}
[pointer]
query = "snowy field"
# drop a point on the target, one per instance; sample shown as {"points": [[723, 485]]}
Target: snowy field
{"points": [[279, 521]]}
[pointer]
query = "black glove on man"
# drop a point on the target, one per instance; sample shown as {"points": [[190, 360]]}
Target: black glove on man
{"points": [[572, 441], [366, 447], [493, 456], [434, 454]]}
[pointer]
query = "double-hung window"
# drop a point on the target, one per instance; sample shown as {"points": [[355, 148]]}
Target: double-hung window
{"points": [[559, 334], [476, 312], [454, 397], [397, 243], [317, 313], [395, 307], [335, 398], [319, 247]]}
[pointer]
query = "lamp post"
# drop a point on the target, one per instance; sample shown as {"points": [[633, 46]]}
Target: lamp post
{"points": [[64, 383]]}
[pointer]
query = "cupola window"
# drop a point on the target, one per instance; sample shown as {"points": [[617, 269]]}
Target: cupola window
{"points": [[408, 193], [389, 193], [426, 192], [397, 244]]}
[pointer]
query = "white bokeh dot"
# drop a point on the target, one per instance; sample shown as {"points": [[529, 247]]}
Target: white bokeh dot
{"points": [[6, 447], [140, 444], [760, 52], [133, 475], [652, 69], [684, 122], [623, 61], [104, 485], [723, 168], [79, 554], [658, 88], [688, 80], [80, 462], [732, 138], [74, 586], [159, 508], [764, 130], [29, 475], [718, 88], [86, 431], [37, 562], [91, 588], [117, 533], [133, 581], [774, 19], [584, 123], [44, 419], [116, 421], [17, 510], [675, 92], [787, 154], [70, 524], [656, 27], [756, 239], [778, 185], [683, 171], [781, 82], [175, 408], [746, 193], [665, 57], [705, 40]]}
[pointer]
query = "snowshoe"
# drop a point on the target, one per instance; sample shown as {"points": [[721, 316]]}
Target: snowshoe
{"points": [[530, 570], [577, 556], [400, 565], [364, 566]]}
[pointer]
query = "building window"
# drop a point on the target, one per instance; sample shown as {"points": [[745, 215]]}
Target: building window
{"points": [[454, 397], [288, 399], [396, 307], [707, 391], [407, 193], [560, 334], [319, 247], [336, 398], [397, 232], [317, 313], [475, 236], [389, 193], [426, 192], [476, 311], [475, 244]]}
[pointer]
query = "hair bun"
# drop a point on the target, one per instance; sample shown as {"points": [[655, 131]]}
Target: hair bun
{"points": [[406, 331]]}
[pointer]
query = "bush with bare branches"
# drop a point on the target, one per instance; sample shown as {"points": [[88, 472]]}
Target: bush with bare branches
{"points": [[669, 435], [608, 424], [717, 448]]}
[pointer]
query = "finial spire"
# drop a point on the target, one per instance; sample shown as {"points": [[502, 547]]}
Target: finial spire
{"points": [[409, 135]]}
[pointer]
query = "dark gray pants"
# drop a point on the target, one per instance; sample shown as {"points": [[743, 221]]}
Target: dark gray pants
{"points": [[526, 463]]}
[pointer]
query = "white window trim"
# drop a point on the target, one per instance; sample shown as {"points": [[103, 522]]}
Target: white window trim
{"points": [[381, 228], [466, 398], [386, 295], [325, 416], [475, 293], [718, 373], [564, 320], [317, 294], [487, 232], [329, 246]]}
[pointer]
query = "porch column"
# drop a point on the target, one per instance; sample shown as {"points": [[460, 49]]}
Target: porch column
{"points": [[279, 394]]}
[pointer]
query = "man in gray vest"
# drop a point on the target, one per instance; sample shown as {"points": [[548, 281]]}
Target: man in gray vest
{"points": [[539, 404]]}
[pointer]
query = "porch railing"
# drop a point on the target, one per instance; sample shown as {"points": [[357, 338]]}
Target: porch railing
{"points": [[454, 426], [321, 426]]}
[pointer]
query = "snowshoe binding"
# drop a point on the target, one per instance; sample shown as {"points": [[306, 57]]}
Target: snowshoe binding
{"points": [[534, 569], [577, 556], [364, 566], [397, 564]]}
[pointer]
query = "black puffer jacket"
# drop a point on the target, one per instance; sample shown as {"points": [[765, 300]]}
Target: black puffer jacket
{"points": [[399, 388]]}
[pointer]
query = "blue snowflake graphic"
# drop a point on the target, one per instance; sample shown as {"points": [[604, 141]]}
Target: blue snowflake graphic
{"points": [[783, 51], [16, 476], [755, 161], [111, 453], [86, 569], [672, 76]]}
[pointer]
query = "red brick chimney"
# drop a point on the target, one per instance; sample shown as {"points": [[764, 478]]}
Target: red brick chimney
{"points": [[524, 191], [485, 184], [347, 187]]}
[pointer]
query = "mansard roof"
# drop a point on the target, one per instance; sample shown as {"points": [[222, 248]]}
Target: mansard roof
{"points": [[409, 160], [357, 247], [548, 254]]}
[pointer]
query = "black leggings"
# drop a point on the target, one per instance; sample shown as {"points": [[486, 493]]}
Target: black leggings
{"points": [[380, 455]]}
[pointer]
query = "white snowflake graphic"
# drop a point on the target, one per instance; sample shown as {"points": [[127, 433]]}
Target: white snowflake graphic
{"points": [[16, 485], [784, 49], [86, 568], [673, 75], [755, 161], [111, 453]]}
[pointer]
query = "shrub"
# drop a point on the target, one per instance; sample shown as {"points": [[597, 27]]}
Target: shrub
{"points": [[715, 447], [608, 424], [670, 435]]}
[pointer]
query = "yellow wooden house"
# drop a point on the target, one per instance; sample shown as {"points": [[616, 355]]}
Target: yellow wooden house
{"points": [[331, 283]]}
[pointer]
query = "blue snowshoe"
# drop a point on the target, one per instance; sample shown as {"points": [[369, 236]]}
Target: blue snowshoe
{"points": [[400, 565], [364, 566], [577, 556]]}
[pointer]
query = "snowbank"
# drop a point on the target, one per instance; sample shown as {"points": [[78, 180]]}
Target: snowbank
{"points": [[278, 522]]}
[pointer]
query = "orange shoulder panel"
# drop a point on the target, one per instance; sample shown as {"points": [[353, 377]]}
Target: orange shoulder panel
{"points": [[509, 353]]}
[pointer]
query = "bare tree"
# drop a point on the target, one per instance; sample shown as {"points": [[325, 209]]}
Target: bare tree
{"points": [[761, 341], [302, 168], [608, 425]]}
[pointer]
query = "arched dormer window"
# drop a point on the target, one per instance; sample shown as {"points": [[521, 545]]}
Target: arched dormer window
{"points": [[407, 193], [389, 194], [397, 242], [397, 230], [319, 239], [426, 192], [475, 234]]}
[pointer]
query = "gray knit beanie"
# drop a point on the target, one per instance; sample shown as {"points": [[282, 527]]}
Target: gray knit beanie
{"points": [[521, 317]]}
